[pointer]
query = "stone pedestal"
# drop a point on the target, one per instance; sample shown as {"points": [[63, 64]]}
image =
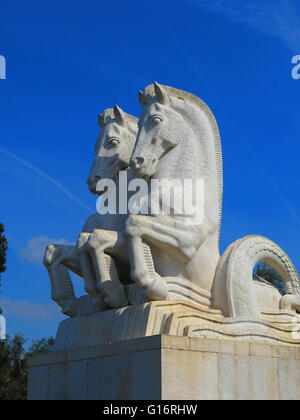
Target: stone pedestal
{"points": [[166, 367], [170, 350]]}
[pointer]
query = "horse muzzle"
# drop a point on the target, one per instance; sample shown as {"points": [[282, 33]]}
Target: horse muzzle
{"points": [[92, 184], [142, 168]]}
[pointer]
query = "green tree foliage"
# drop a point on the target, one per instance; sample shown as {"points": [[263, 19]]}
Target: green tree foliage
{"points": [[13, 356], [268, 273], [3, 249], [39, 347], [14, 365], [12, 372]]}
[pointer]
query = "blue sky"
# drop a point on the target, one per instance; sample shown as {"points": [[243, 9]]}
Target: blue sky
{"points": [[68, 61]]}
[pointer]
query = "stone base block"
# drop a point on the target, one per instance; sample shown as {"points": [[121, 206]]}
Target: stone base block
{"points": [[176, 318], [165, 367]]}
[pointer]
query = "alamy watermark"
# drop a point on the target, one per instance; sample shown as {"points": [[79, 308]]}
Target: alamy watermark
{"points": [[296, 68], [2, 67], [178, 197], [2, 328]]}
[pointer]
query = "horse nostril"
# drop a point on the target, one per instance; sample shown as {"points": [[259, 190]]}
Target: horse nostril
{"points": [[140, 160], [137, 162]]}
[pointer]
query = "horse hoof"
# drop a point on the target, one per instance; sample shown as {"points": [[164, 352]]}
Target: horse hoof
{"points": [[158, 290], [70, 308], [117, 299], [99, 303], [52, 253]]}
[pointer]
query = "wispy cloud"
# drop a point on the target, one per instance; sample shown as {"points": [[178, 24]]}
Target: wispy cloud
{"points": [[48, 178], [277, 18], [35, 249], [30, 311]]}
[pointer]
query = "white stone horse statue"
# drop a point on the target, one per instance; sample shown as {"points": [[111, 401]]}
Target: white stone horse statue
{"points": [[112, 153], [178, 139], [172, 256]]}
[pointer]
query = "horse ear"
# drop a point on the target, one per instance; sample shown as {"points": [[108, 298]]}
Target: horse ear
{"points": [[160, 93], [142, 98], [120, 115], [101, 120]]}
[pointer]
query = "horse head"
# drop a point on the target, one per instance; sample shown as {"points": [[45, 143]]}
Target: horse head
{"points": [[179, 138], [161, 129], [114, 145]]}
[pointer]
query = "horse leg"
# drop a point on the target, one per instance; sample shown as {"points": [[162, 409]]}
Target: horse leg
{"points": [[143, 271], [178, 238], [88, 273], [108, 282], [62, 290]]}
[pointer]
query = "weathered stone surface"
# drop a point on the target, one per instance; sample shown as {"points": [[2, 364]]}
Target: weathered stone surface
{"points": [[167, 367], [161, 273], [117, 325], [234, 291], [176, 318], [170, 255]]}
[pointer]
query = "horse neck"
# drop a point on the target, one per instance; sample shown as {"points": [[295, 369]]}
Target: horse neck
{"points": [[195, 158], [192, 158]]}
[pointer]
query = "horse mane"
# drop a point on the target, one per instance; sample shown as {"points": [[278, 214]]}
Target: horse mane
{"points": [[189, 97]]}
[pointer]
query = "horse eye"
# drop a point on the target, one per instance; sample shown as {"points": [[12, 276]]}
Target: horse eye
{"points": [[156, 119], [113, 142]]}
